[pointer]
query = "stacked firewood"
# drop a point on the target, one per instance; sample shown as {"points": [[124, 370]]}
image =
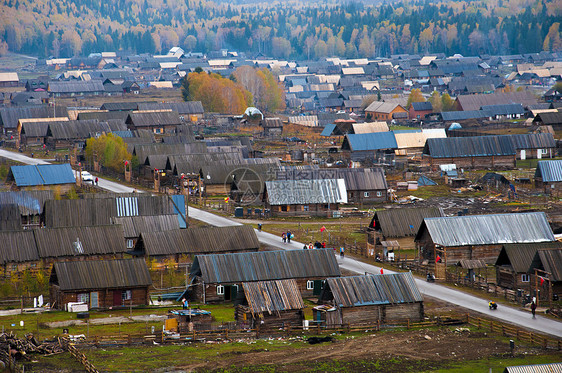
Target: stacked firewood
{"points": [[14, 348]]}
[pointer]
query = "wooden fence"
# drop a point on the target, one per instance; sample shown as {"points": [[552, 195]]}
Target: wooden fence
{"points": [[79, 356], [519, 334]]}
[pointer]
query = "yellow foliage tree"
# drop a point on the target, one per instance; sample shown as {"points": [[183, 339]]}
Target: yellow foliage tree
{"points": [[111, 151]]}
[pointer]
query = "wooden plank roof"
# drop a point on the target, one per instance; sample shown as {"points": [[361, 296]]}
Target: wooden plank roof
{"points": [[18, 247], [30, 202], [273, 296], [552, 262], [101, 274], [204, 240], [154, 118], [356, 291], [522, 257], [266, 265], [133, 226], [402, 222], [78, 241]]}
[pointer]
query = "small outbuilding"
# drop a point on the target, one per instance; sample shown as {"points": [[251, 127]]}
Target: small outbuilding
{"points": [[100, 284], [370, 299]]}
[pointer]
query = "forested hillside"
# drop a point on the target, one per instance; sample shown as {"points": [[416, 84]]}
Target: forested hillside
{"points": [[288, 30]]}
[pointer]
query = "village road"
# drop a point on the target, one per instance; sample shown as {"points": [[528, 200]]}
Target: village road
{"points": [[503, 313]]}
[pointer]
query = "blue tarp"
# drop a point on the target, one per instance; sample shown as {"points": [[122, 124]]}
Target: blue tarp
{"points": [[425, 181]]}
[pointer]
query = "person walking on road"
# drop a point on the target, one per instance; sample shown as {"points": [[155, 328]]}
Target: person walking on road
{"points": [[342, 252], [288, 236], [533, 308], [284, 237]]}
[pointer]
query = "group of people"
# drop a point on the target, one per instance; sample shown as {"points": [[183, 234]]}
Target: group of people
{"points": [[317, 245], [286, 237]]}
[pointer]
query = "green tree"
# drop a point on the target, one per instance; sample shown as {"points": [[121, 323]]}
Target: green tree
{"points": [[558, 87]]}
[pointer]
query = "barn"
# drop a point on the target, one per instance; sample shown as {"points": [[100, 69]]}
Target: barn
{"points": [[370, 299], [479, 236], [100, 284]]}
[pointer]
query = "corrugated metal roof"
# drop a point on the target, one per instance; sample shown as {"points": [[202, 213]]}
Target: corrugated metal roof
{"points": [[383, 107], [463, 115], [356, 291], [157, 118], [549, 171], [401, 222], [549, 118], [9, 116], [18, 247], [101, 274], [475, 102], [328, 130], [488, 229], [83, 129], [189, 107], [300, 192], [371, 127], [539, 368], [46, 174], [369, 141], [266, 265], [532, 141], [63, 87], [204, 240], [30, 202], [273, 296], [552, 262], [355, 178], [78, 241], [133, 226], [422, 106]]}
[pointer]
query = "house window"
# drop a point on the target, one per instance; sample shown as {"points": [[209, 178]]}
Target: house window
{"points": [[284, 208], [126, 295], [310, 285], [220, 290], [365, 194], [379, 194], [129, 244], [305, 207], [158, 130], [525, 278], [83, 297], [544, 151]]}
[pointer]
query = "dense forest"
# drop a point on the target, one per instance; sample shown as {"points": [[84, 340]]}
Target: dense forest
{"points": [[298, 30]]}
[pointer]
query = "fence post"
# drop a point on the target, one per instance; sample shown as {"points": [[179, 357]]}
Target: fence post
{"points": [[408, 325], [491, 325]]}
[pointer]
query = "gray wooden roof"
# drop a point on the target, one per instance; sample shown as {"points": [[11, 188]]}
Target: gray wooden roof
{"points": [[35, 129], [552, 262], [101, 274], [30, 202], [18, 247], [273, 296], [10, 218], [182, 108], [99, 211], [78, 241], [522, 257], [356, 179], [133, 226], [266, 265], [152, 119], [488, 229], [9, 117], [401, 222], [204, 240], [66, 87], [83, 129], [356, 291]]}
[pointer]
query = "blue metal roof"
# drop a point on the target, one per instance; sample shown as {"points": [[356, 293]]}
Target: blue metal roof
{"points": [[370, 141], [46, 174], [328, 130], [425, 181], [179, 202]]}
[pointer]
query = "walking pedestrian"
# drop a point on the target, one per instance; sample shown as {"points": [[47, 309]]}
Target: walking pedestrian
{"points": [[97, 181], [284, 237], [184, 303], [342, 252], [288, 236], [259, 227], [305, 247], [533, 308]]}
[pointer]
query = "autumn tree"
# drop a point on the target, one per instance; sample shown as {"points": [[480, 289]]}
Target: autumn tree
{"points": [[435, 100], [267, 92], [415, 96], [111, 151], [447, 103], [218, 94]]}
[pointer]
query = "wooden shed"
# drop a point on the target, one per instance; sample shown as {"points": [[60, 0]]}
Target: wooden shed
{"points": [[159, 122], [370, 299], [271, 305], [218, 277], [100, 284]]}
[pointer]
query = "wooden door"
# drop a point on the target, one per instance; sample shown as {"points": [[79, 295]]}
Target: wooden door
{"points": [[116, 297]]}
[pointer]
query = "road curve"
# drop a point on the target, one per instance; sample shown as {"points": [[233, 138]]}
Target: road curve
{"points": [[441, 292]]}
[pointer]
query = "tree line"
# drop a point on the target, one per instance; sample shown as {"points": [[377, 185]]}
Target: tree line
{"points": [[294, 30]]}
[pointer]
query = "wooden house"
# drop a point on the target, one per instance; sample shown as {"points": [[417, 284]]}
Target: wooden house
{"points": [[475, 102], [411, 143], [397, 223], [548, 176], [318, 197], [272, 127], [34, 131], [19, 251], [159, 122], [270, 306], [74, 133], [368, 146], [100, 284], [9, 80], [46, 175], [553, 119], [479, 236], [370, 299], [218, 277], [76, 88], [189, 111], [189, 242], [516, 263], [384, 110], [418, 110], [30, 204], [9, 117]]}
